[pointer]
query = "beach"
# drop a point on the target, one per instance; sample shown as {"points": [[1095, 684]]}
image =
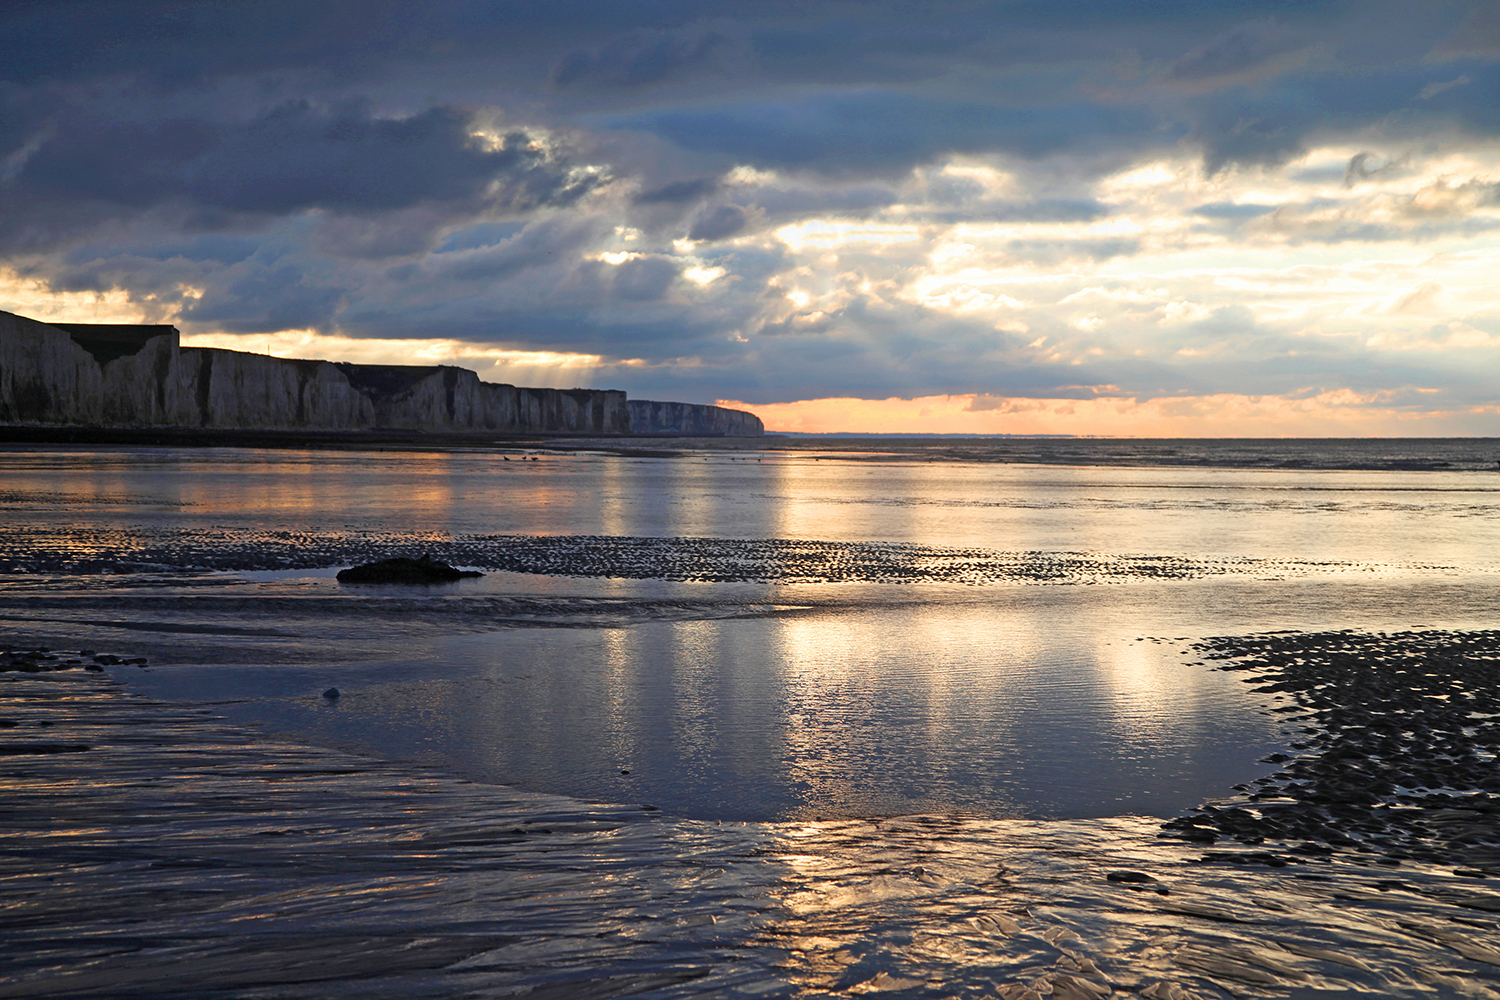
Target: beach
{"points": [[154, 850], [781, 741]]}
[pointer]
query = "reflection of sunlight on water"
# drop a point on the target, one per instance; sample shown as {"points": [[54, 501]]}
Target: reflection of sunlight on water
{"points": [[614, 667], [820, 659], [610, 497], [1143, 698]]}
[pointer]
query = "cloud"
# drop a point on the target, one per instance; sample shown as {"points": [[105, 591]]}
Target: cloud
{"points": [[1422, 299], [1479, 34], [296, 156], [649, 56], [541, 243], [780, 201], [883, 131], [719, 222], [279, 296], [1246, 53], [644, 279], [1229, 210], [1280, 120], [1435, 88], [1442, 199], [679, 192], [1365, 166]]}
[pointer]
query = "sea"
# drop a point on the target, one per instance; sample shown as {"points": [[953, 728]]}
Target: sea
{"points": [[795, 717], [806, 628]]}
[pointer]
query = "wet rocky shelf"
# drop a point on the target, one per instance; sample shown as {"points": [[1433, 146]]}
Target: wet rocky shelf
{"points": [[1399, 758], [41, 660]]}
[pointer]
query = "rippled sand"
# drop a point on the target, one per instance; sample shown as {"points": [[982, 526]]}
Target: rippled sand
{"points": [[179, 856], [72, 550]]}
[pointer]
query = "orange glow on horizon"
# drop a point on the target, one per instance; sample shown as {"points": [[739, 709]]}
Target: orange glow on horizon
{"points": [[1338, 413]]}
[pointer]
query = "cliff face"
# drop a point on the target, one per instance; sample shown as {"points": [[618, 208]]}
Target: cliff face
{"points": [[46, 377], [594, 411], [124, 376], [453, 399], [254, 392], [648, 416]]}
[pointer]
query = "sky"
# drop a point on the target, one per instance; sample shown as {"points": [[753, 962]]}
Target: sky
{"points": [[1138, 217]]}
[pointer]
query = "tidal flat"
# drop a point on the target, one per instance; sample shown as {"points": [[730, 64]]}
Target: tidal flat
{"points": [[153, 850], [787, 724]]}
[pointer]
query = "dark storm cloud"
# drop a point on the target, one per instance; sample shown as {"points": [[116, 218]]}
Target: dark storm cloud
{"points": [[161, 279], [474, 237], [1047, 104], [214, 249], [638, 328], [887, 131], [291, 158], [1253, 131], [23, 122], [171, 40], [171, 43], [1270, 125], [649, 56], [539, 244]]}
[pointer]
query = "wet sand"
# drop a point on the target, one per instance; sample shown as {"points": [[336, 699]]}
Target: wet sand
{"points": [[67, 550], [151, 849]]}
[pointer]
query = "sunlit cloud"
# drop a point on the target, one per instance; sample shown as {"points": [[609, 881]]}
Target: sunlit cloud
{"points": [[38, 299], [546, 367], [832, 234]]}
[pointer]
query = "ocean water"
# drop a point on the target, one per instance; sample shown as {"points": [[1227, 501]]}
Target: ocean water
{"points": [[818, 628]]}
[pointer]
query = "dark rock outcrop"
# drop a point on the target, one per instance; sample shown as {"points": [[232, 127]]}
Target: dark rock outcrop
{"points": [[424, 569]]}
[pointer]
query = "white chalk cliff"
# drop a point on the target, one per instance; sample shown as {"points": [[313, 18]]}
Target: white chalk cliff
{"points": [[96, 375]]}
